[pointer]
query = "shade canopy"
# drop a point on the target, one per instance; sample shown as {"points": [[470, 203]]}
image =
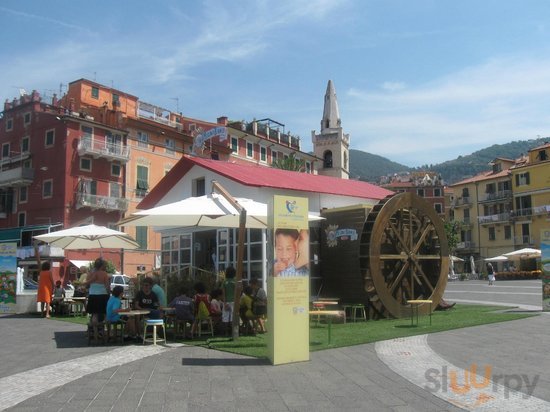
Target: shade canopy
{"points": [[204, 211], [89, 237], [497, 259], [524, 253]]}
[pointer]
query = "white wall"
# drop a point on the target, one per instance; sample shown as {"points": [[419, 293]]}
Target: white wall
{"points": [[317, 201]]}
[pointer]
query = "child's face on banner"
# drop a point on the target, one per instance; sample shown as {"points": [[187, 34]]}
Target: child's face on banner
{"points": [[285, 250]]}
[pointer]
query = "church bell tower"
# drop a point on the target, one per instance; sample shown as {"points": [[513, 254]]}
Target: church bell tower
{"points": [[331, 145]]}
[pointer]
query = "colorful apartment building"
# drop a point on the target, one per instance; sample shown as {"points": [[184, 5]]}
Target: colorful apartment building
{"points": [[531, 197], [505, 208], [92, 155], [425, 184]]}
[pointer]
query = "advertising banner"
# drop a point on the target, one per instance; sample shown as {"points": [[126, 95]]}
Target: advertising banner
{"points": [[288, 283], [8, 277], [545, 263]]}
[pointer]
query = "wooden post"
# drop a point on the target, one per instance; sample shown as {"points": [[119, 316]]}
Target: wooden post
{"points": [[240, 255]]}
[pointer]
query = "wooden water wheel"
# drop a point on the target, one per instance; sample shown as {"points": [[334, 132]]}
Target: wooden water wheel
{"points": [[404, 255]]}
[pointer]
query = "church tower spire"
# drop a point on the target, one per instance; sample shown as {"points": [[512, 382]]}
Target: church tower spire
{"points": [[331, 146], [331, 114]]}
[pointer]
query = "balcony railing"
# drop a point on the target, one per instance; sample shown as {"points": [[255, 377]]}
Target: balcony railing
{"points": [[465, 221], [541, 210], [101, 202], [525, 212], [500, 217], [501, 195], [19, 176], [468, 245], [524, 240], [100, 148], [462, 201]]}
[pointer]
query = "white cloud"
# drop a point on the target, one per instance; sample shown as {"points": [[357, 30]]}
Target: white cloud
{"points": [[496, 102], [393, 86]]}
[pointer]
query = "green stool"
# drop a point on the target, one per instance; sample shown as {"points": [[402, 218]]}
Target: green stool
{"points": [[357, 311]]}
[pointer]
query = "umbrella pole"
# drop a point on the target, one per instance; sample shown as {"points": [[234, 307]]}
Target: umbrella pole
{"points": [[239, 276]]}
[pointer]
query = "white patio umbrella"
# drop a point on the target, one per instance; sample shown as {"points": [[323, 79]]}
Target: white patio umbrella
{"points": [[497, 259], [212, 210], [524, 253], [473, 265], [89, 237], [456, 259]]}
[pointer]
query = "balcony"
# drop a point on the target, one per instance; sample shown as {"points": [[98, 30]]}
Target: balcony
{"points": [[465, 222], [497, 196], [101, 202], [542, 210], [100, 148], [467, 245], [498, 218], [462, 201], [525, 212], [17, 177], [524, 240]]}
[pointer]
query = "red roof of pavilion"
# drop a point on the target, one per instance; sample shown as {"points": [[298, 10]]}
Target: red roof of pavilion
{"points": [[262, 176]]}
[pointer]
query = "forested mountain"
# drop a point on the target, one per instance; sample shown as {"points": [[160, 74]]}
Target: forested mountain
{"points": [[369, 167]]}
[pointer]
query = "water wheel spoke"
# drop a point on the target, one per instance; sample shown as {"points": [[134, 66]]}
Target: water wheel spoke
{"points": [[387, 256], [426, 230], [402, 242], [399, 277], [423, 275]]}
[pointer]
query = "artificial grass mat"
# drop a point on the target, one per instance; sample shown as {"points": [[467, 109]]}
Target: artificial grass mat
{"points": [[355, 333]]}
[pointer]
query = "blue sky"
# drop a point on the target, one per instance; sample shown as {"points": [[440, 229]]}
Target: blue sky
{"points": [[418, 82]]}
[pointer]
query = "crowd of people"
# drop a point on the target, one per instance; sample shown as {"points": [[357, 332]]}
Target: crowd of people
{"points": [[217, 305]]}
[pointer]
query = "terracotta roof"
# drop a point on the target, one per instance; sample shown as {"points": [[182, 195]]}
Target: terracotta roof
{"points": [[262, 176], [544, 146], [483, 176]]}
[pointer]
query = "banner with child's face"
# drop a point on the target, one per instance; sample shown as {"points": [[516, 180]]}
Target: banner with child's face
{"points": [[288, 300]]}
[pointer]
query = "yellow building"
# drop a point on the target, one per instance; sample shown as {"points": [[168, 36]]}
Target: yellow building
{"points": [[482, 204], [531, 189]]}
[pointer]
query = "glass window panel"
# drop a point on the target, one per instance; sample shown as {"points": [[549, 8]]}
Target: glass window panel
{"points": [[256, 252], [185, 256], [255, 235], [174, 255], [185, 241], [166, 258], [256, 270]]}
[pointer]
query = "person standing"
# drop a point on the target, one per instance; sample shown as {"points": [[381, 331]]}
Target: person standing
{"points": [[259, 304], [490, 274], [228, 288], [159, 291], [98, 294], [45, 289]]}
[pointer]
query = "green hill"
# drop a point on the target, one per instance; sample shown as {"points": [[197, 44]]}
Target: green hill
{"points": [[462, 167], [369, 167]]}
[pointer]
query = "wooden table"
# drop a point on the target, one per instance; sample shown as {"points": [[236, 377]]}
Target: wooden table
{"points": [[415, 303], [329, 314]]}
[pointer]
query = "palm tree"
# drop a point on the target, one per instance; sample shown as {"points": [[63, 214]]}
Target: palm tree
{"points": [[290, 163]]}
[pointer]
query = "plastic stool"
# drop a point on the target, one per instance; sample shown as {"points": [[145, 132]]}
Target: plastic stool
{"points": [[209, 326], [154, 323], [96, 333], [356, 311], [115, 330]]}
